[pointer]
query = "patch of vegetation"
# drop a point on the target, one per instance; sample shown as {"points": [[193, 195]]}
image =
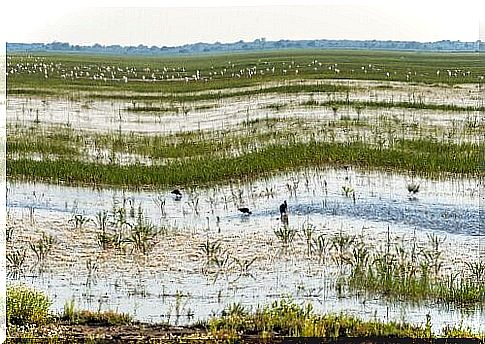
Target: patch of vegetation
{"points": [[85, 317], [26, 306], [281, 319], [285, 318], [423, 156], [414, 274], [392, 104]]}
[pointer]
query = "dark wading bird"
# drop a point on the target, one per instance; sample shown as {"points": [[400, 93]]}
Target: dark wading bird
{"points": [[413, 188], [284, 213], [283, 208], [245, 211], [177, 194]]}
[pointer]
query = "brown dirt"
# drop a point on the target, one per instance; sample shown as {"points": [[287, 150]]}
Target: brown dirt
{"points": [[137, 332]]}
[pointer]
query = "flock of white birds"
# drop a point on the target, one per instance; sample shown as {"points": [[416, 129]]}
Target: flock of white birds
{"points": [[39, 65]]}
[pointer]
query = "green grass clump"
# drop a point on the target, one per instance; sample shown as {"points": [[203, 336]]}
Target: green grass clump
{"points": [[85, 317], [107, 318], [398, 282], [27, 306], [44, 146], [458, 331], [288, 319]]}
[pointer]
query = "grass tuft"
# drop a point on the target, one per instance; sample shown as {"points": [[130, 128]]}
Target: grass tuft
{"points": [[26, 306]]}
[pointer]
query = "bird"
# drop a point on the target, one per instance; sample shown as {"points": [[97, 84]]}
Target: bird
{"points": [[177, 193], [413, 188], [283, 208], [245, 211]]}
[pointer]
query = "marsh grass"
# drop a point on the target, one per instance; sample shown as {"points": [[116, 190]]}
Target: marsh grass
{"points": [[48, 145], [106, 318], [411, 67], [421, 156], [308, 232], [27, 306], [288, 319], [121, 229], [253, 136], [285, 235], [418, 105], [92, 268], [245, 265], [9, 233], [282, 321], [102, 224], [43, 247], [15, 261], [393, 272], [412, 274], [190, 96], [69, 310], [477, 271], [142, 235], [79, 220], [320, 247], [152, 109], [210, 250], [348, 191], [99, 318]]}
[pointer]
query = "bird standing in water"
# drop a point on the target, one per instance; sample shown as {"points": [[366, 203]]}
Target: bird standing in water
{"points": [[284, 213], [283, 208], [413, 188], [177, 193], [245, 211]]}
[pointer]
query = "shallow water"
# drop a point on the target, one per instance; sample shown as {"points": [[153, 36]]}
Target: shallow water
{"points": [[148, 287], [115, 115], [448, 205]]}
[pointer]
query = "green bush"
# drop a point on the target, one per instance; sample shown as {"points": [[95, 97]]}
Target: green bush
{"points": [[26, 306]]}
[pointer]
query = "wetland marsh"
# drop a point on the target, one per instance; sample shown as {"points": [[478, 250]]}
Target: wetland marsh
{"points": [[377, 154]]}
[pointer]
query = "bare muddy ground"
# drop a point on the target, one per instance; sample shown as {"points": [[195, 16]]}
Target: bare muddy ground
{"points": [[137, 332]]}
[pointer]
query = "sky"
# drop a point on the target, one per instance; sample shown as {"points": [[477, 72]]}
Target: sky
{"points": [[128, 22]]}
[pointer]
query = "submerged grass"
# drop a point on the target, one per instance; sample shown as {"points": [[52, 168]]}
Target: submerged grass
{"points": [[409, 273], [217, 95], [393, 104]]}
